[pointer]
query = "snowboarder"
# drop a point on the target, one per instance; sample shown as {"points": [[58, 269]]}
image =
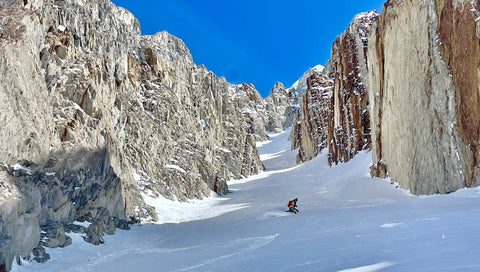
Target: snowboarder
{"points": [[292, 206]]}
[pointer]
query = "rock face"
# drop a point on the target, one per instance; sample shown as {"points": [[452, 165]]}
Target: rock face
{"points": [[272, 114], [423, 62], [279, 108], [311, 123], [249, 102], [349, 132], [94, 115], [335, 107], [406, 85]]}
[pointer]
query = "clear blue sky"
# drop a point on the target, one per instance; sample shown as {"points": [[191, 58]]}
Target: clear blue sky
{"points": [[252, 41]]}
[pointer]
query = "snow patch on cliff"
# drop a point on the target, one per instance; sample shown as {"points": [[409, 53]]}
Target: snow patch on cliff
{"points": [[301, 84]]}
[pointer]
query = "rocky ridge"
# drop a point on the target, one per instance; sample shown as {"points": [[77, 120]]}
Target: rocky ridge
{"points": [[350, 130], [95, 115], [335, 107], [312, 119]]}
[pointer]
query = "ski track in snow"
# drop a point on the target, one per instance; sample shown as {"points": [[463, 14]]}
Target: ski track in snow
{"points": [[347, 222], [369, 268], [252, 244], [391, 225]]}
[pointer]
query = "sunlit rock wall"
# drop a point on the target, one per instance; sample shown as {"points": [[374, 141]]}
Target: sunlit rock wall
{"points": [[100, 115], [310, 127], [423, 62], [349, 131]]}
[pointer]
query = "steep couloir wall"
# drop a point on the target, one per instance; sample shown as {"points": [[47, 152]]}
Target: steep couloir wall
{"points": [[93, 115], [310, 127], [406, 86], [334, 111], [423, 62], [349, 131]]}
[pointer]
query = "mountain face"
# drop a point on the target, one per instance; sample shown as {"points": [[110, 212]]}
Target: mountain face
{"points": [[94, 116], [312, 119], [423, 62], [280, 107], [350, 129], [335, 107], [406, 86]]}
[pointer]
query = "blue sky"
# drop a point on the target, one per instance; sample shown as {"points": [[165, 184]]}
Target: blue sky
{"points": [[252, 41]]}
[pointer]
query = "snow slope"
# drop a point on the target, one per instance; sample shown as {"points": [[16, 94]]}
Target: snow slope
{"points": [[347, 222]]}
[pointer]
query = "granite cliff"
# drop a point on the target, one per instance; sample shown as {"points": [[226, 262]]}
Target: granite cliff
{"points": [[335, 107], [349, 132], [94, 116], [423, 61], [312, 118], [406, 86]]}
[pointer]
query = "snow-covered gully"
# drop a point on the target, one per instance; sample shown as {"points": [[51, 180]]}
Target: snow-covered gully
{"points": [[347, 221]]}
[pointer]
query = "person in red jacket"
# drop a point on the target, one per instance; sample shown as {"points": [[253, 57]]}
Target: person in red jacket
{"points": [[292, 205]]}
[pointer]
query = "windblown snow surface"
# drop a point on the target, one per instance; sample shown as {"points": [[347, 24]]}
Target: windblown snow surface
{"points": [[347, 222]]}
